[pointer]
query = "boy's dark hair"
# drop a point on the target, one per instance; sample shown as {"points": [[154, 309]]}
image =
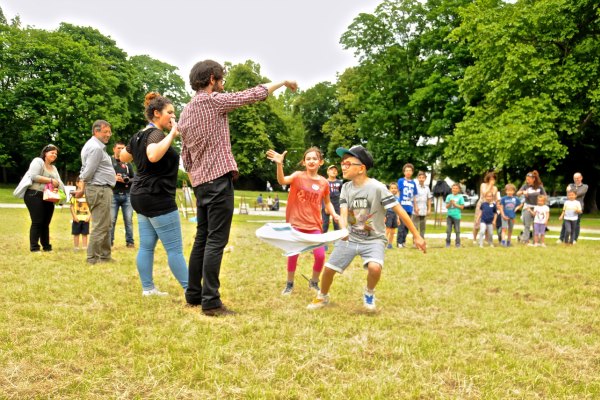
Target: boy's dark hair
{"points": [[408, 165], [421, 173], [202, 71]]}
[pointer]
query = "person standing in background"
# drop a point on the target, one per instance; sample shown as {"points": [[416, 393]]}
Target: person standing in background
{"points": [[42, 172], [335, 187], [423, 203], [98, 179], [580, 189], [123, 175], [407, 188], [532, 188]]}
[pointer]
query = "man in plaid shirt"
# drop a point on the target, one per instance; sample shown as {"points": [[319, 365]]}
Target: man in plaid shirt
{"points": [[207, 157]]}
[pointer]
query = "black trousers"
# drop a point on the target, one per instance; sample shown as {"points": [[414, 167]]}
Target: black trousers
{"points": [[215, 212], [41, 213]]}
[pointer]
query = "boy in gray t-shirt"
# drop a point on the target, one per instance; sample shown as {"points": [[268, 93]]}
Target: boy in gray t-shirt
{"points": [[363, 204]]}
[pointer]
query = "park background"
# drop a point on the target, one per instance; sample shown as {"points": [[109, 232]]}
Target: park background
{"points": [[455, 87]]}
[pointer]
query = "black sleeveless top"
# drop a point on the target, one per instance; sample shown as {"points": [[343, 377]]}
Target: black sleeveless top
{"points": [[154, 186]]}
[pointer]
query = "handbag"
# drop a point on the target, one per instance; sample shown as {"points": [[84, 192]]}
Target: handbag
{"points": [[26, 181], [50, 195]]}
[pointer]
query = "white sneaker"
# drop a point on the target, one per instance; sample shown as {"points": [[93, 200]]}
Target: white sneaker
{"points": [[369, 301], [319, 302], [558, 241], [154, 292], [574, 241]]}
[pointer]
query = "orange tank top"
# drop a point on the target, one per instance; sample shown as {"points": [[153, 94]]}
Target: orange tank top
{"points": [[306, 195]]}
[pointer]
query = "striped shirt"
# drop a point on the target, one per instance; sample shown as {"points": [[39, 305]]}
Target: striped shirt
{"points": [[204, 128]]}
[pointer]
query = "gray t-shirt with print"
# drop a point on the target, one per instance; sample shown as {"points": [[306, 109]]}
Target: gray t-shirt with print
{"points": [[366, 209]]}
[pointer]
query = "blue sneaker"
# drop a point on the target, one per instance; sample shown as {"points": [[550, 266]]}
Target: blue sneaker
{"points": [[369, 301]]}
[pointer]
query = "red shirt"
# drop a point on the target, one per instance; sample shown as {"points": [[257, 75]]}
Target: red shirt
{"points": [[303, 209], [206, 144]]}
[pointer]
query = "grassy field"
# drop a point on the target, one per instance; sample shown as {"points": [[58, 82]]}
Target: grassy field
{"points": [[464, 323]]}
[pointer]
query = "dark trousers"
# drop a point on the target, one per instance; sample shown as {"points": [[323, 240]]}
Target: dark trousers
{"points": [[326, 217], [215, 211], [575, 234], [570, 228], [41, 213], [402, 231]]}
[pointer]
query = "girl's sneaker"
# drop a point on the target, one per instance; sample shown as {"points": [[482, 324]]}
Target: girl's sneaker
{"points": [[313, 285], [154, 292], [319, 302], [289, 287]]}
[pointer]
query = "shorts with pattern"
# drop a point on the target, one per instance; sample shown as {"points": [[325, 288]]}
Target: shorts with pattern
{"points": [[344, 252]]}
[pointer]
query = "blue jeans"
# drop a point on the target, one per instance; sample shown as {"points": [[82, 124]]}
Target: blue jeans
{"points": [[575, 233], [452, 222], [167, 228], [402, 231], [122, 200]]}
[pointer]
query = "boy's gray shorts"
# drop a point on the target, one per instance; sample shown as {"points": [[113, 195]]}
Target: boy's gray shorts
{"points": [[508, 223], [344, 252]]}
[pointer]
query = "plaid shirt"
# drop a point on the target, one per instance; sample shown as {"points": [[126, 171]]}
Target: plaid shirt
{"points": [[204, 128]]}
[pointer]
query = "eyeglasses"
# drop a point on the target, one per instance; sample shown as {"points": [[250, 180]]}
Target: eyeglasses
{"points": [[348, 164]]}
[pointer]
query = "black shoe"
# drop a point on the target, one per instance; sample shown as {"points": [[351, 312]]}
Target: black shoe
{"points": [[217, 312]]}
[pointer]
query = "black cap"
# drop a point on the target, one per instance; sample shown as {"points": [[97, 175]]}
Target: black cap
{"points": [[359, 152]]}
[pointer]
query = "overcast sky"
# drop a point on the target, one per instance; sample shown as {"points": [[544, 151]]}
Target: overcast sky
{"points": [[289, 39]]}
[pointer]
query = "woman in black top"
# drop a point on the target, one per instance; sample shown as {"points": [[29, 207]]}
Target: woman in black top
{"points": [[153, 192]]}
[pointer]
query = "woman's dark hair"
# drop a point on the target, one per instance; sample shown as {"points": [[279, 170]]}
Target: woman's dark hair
{"points": [[488, 176], [202, 71], [46, 149], [537, 182], [155, 102]]}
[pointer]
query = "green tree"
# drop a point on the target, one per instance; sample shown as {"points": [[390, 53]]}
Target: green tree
{"points": [[532, 94], [257, 127], [151, 75], [316, 106], [406, 83], [53, 87]]}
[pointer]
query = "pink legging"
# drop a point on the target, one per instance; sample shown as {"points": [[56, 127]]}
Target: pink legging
{"points": [[319, 254]]}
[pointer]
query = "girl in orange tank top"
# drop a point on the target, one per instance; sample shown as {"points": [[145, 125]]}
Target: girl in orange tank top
{"points": [[308, 190]]}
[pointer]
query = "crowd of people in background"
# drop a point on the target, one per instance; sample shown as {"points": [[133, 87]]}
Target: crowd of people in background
{"points": [[370, 211]]}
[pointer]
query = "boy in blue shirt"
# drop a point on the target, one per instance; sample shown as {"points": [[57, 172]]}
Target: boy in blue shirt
{"points": [[509, 205], [407, 188], [454, 203]]}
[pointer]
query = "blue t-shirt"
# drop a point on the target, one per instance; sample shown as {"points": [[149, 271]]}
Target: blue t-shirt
{"points": [[487, 212], [454, 212], [407, 189], [509, 203]]}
